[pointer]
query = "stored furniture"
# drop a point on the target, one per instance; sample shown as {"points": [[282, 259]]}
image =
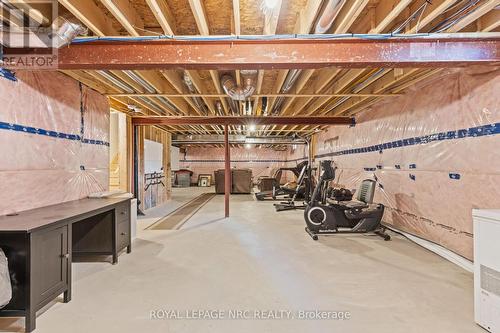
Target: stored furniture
{"points": [[41, 244], [241, 181]]}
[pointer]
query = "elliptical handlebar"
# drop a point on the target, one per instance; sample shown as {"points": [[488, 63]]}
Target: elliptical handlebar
{"points": [[327, 174]]}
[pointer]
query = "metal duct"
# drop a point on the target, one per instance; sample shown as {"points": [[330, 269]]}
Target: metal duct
{"points": [[324, 23], [168, 104], [61, 34], [236, 139], [116, 81], [234, 106], [243, 92], [138, 79], [218, 107], [329, 14], [152, 105], [198, 101], [290, 80], [151, 90]]}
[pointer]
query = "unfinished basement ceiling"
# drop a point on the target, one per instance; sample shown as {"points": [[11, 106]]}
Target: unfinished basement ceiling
{"points": [[225, 17]]}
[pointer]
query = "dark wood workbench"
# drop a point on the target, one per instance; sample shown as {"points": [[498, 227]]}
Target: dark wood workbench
{"points": [[41, 244]]}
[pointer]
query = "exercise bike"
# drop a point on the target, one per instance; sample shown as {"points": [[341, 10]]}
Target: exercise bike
{"points": [[325, 216]]}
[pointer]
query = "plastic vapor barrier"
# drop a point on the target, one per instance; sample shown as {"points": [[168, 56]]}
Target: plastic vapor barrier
{"points": [[54, 141], [435, 152]]}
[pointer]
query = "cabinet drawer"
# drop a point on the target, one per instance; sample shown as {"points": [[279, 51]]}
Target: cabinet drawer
{"points": [[122, 234], [123, 212]]}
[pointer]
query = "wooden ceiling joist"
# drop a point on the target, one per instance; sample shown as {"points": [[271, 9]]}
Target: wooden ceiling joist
{"points": [[91, 16], [319, 89], [125, 13], [163, 15], [490, 21], [484, 8], [242, 120]]}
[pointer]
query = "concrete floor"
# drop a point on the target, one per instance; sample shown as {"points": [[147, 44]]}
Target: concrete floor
{"points": [[261, 260]]}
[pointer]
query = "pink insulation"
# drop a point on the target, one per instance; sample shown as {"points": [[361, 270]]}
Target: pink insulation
{"points": [[54, 141], [261, 161], [447, 161]]}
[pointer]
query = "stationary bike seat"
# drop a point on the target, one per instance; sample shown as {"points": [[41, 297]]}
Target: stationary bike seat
{"points": [[348, 204]]}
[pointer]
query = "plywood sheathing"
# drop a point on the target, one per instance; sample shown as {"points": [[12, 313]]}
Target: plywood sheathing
{"points": [[252, 17], [289, 13], [219, 15], [114, 22], [184, 20]]}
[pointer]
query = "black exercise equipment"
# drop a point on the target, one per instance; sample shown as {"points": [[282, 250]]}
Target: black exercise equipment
{"points": [[305, 182], [324, 215], [286, 190]]}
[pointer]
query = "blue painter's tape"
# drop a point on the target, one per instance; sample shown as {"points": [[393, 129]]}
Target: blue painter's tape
{"points": [[7, 74], [455, 176], [235, 161], [413, 166], [370, 169], [473, 132], [53, 134], [397, 166], [412, 176]]}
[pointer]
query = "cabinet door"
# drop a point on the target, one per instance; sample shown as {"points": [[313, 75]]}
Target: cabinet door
{"points": [[50, 264]]}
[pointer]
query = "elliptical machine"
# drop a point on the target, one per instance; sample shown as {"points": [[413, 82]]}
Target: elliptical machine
{"points": [[326, 216]]}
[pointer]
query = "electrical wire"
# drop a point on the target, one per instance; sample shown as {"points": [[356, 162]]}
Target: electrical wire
{"points": [[418, 13], [250, 37], [456, 17]]}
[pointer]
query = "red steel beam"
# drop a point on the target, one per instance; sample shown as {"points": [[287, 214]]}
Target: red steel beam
{"points": [[227, 170], [272, 54], [243, 120]]}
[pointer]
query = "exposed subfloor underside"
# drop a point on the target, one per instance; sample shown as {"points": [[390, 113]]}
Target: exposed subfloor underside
{"points": [[262, 260]]}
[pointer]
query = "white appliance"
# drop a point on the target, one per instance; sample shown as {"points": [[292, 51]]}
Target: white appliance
{"points": [[487, 268]]}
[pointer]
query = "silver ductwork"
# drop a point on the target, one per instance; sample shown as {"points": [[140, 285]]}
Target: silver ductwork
{"points": [[157, 105], [60, 34], [116, 81], [243, 92], [151, 90], [324, 23], [290, 80], [198, 101], [139, 80], [168, 105], [326, 19], [236, 139], [218, 107], [151, 105]]}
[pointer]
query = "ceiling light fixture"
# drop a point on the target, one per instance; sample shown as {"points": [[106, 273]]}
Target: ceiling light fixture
{"points": [[248, 146], [252, 128]]}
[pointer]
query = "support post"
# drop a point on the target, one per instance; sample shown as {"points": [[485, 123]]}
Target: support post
{"points": [[227, 170], [309, 167], [135, 134]]}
